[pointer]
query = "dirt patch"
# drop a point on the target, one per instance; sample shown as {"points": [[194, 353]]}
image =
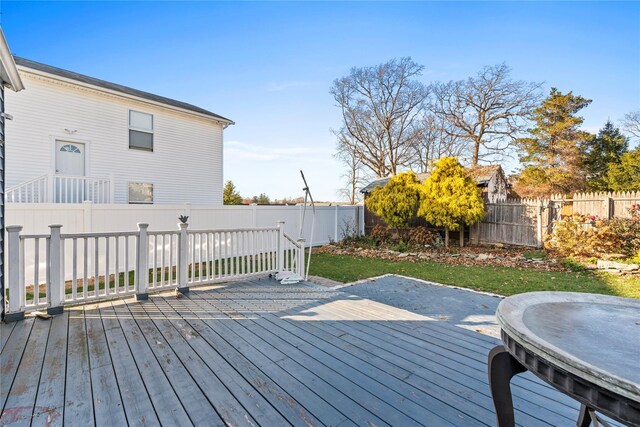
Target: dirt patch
{"points": [[470, 256]]}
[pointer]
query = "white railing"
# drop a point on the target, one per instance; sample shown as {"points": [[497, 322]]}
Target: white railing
{"points": [[55, 269], [62, 189]]}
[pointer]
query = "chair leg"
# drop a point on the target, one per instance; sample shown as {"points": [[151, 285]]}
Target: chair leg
{"points": [[502, 367]]}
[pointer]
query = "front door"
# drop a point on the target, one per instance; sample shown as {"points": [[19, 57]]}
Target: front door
{"points": [[69, 185]]}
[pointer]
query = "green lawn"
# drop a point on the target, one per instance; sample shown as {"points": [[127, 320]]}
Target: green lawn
{"points": [[500, 280]]}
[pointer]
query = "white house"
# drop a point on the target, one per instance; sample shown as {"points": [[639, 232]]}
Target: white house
{"points": [[75, 138]]}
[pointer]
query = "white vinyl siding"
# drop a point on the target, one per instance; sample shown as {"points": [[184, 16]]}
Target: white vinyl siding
{"points": [[185, 166]]}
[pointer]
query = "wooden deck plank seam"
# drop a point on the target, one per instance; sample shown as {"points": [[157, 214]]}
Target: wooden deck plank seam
{"points": [[339, 372], [256, 368], [427, 367], [243, 385], [17, 365], [188, 371], [135, 363], [229, 391], [337, 391]]}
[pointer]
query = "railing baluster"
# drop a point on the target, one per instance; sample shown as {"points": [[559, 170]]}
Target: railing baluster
{"points": [[74, 269], [107, 284], [171, 259], [85, 277], [117, 265], [154, 269], [96, 278], [126, 263], [36, 272], [162, 261]]}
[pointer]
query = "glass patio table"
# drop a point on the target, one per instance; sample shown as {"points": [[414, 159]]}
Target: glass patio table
{"points": [[585, 345]]}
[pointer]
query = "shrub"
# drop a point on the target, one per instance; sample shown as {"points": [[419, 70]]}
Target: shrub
{"points": [[398, 201], [590, 236], [380, 234], [422, 236]]}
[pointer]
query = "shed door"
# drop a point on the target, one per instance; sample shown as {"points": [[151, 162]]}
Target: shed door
{"points": [[69, 164]]}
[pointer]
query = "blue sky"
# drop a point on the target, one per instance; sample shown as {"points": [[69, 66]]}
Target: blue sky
{"points": [[269, 66]]}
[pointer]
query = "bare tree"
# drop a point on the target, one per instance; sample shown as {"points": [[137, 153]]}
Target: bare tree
{"points": [[379, 105], [489, 110], [355, 177], [631, 123], [435, 141]]}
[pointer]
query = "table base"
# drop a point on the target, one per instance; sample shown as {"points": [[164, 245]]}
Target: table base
{"points": [[512, 359]]}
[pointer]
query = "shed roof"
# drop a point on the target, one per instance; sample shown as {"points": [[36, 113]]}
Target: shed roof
{"points": [[116, 87], [480, 174]]}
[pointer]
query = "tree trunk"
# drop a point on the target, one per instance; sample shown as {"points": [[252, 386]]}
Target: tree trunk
{"points": [[462, 236], [446, 237], [476, 154]]}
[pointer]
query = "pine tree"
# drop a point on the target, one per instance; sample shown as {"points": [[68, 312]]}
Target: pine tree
{"points": [[229, 194], [398, 201], [551, 155], [599, 152], [625, 176], [451, 199]]}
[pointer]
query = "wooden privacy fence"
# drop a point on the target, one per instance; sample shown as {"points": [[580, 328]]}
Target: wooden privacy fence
{"points": [[526, 222], [48, 271], [601, 204]]}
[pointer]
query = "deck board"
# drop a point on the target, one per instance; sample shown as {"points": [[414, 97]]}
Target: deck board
{"points": [[78, 408], [255, 353], [21, 399], [50, 400]]}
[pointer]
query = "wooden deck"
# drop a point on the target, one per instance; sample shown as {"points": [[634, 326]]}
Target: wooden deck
{"points": [[255, 353]]}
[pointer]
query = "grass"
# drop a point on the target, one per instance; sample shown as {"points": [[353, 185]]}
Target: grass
{"points": [[499, 280]]}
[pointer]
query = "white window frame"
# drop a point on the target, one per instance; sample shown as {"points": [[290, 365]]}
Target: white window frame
{"points": [[137, 129], [139, 202]]}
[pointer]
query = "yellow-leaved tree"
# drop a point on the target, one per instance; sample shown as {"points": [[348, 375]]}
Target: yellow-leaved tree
{"points": [[451, 199], [398, 201]]}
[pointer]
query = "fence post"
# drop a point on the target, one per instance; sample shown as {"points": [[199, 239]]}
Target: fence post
{"points": [[142, 264], [15, 267], [55, 290], [280, 246], [183, 249], [301, 270], [610, 206], [539, 222]]}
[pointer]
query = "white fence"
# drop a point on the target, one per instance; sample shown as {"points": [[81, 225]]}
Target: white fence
{"points": [[332, 222], [54, 188], [70, 268]]}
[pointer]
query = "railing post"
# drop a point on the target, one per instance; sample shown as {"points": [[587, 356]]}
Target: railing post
{"points": [[183, 267], [51, 186], [15, 274], [301, 270], [280, 248], [55, 290], [142, 263]]}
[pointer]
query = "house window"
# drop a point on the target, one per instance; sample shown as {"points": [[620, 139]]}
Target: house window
{"points": [[140, 131], [140, 192]]}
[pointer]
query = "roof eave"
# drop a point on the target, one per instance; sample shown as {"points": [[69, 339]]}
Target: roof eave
{"points": [[9, 71], [222, 120]]}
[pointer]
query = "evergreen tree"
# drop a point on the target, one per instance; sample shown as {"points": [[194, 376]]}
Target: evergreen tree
{"points": [[551, 154], [230, 195], [625, 176], [450, 198], [398, 201], [599, 152], [262, 199]]}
